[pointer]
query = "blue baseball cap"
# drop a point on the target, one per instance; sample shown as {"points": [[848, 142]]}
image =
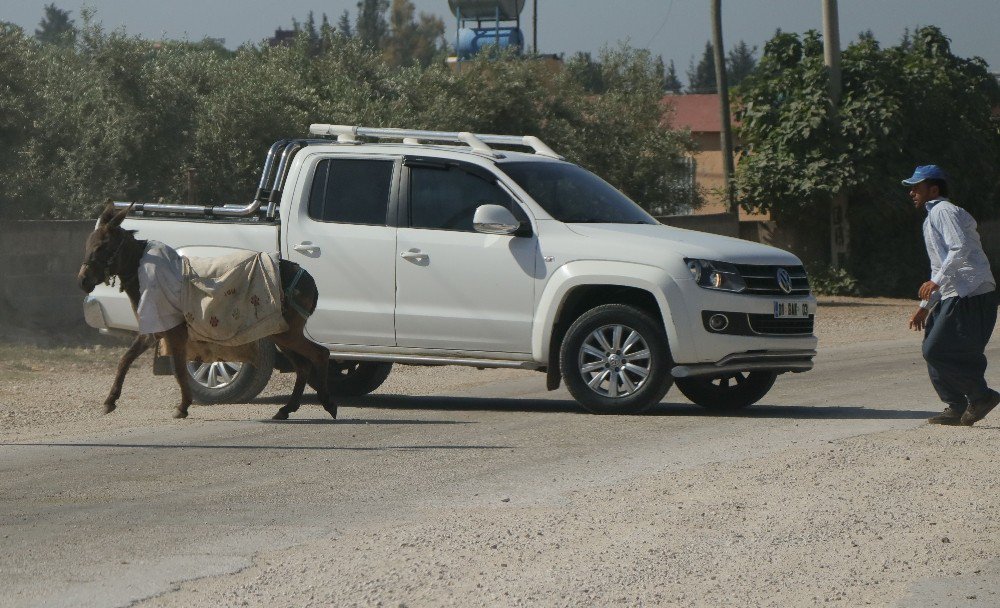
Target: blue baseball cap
{"points": [[925, 172]]}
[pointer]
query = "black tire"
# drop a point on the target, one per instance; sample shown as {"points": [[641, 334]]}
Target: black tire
{"points": [[246, 382], [356, 378], [729, 392], [589, 377]]}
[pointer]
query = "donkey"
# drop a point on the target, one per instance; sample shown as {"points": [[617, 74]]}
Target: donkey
{"points": [[113, 251]]}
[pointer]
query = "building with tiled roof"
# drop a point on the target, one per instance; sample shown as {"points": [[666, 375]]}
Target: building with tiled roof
{"points": [[699, 113]]}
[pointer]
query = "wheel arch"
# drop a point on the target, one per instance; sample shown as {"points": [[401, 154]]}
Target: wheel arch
{"points": [[577, 287]]}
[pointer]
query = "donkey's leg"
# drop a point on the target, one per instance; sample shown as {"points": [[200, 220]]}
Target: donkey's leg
{"points": [[321, 367], [141, 343], [302, 367], [177, 338], [317, 360]]}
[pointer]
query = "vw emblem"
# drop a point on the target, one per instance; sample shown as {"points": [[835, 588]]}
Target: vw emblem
{"points": [[784, 280]]}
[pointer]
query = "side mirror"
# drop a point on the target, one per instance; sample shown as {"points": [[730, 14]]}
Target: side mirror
{"points": [[495, 219]]}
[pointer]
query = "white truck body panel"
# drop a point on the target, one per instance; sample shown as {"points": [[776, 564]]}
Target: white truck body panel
{"points": [[466, 291]]}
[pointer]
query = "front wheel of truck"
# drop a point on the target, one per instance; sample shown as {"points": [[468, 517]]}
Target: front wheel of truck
{"points": [[728, 392], [615, 360]]}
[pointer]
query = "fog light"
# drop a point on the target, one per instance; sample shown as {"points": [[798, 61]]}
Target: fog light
{"points": [[718, 322]]}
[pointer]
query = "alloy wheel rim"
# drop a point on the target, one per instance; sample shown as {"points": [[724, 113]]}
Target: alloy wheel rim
{"points": [[215, 375], [615, 361], [722, 384]]}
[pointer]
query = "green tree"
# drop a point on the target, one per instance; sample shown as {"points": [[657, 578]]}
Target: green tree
{"points": [[344, 25], [115, 117], [410, 42], [671, 83], [701, 77], [122, 117], [911, 104], [310, 28], [55, 27], [584, 70], [740, 62], [430, 44], [260, 96], [372, 27], [18, 112]]}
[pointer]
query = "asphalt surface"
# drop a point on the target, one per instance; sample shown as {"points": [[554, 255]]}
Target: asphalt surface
{"points": [[111, 512]]}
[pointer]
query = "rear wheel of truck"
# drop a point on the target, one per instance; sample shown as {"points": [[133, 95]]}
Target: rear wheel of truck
{"points": [[615, 360], [731, 391], [355, 378], [231, 382]]}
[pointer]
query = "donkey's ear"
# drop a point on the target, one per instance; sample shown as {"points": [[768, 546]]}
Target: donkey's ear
{"points": [[120, 217], [108, 214]]}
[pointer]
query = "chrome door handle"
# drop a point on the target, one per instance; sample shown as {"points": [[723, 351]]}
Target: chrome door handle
{"points": [[306, 248], [413, 254]]}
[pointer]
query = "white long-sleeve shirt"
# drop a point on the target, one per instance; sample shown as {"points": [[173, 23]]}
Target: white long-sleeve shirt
{"points": [[958, 263]]}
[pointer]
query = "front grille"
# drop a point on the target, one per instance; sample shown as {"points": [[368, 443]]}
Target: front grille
{"points": [[746, 324], [767, 324], [763, 280]]}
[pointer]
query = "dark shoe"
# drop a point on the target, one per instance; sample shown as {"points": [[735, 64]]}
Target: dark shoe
{"points": [[978, 410], [950, 416]]}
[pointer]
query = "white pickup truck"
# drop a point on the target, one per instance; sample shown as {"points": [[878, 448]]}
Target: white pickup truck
{"points": [[439, 248]]}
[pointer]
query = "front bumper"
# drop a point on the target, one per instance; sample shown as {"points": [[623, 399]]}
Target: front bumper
{"points": [[778, 361], [704, 347]]}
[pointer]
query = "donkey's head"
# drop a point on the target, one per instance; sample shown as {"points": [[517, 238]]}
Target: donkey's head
{"points": [[102, 255]]}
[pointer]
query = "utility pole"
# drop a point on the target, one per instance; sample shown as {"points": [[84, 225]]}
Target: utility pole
{"points": [[191, 174], [722, 86], [534, 27], [840, 234]]}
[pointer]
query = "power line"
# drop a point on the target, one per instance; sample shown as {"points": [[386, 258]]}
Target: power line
{"points": [[660, 29]]}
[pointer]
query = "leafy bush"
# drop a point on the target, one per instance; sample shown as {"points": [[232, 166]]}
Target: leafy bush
{"points": [[113, 115], [911, 104], [829, 281]]}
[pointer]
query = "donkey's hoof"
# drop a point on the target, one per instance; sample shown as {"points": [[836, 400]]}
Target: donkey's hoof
{"points": [[281, 415], [179, 413], [109, 407]]}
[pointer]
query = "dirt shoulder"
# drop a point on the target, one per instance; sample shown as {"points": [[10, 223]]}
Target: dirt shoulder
{"points": [[906, 516], [871, 520], [52, 384], [847, 320]]}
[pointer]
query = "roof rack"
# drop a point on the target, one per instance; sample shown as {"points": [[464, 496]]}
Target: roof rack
{"points": [[477, 141]]}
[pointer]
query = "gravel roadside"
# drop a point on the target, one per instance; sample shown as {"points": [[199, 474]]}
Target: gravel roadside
{"points": [[903, 517], [49, 388], [856, 524]]}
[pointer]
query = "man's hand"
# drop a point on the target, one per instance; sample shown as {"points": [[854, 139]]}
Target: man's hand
{"points": [[919, 319], [927, 289]]}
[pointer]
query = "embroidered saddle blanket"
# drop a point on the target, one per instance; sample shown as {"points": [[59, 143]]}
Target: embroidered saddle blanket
{"points": [[229, 300]]}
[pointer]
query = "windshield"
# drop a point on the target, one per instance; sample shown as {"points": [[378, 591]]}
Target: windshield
{"points": [[574, 195]]}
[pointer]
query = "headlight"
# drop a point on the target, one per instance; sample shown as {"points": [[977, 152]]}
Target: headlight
{"points": [[716, 275]]}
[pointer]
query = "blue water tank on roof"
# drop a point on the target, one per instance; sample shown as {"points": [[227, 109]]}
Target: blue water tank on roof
{"points": [[473, 40]]}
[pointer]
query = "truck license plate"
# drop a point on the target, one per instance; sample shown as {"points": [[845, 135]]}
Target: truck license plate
{"points": [[791, 310]]}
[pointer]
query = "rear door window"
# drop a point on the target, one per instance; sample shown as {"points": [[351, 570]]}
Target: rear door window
{"points": [[351, 191]]}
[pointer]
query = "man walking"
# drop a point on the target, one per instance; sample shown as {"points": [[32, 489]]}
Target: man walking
{"points": [[958, 307]]}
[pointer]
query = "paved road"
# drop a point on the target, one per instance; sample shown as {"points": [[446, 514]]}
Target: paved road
{"points": [[113, 516]]}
